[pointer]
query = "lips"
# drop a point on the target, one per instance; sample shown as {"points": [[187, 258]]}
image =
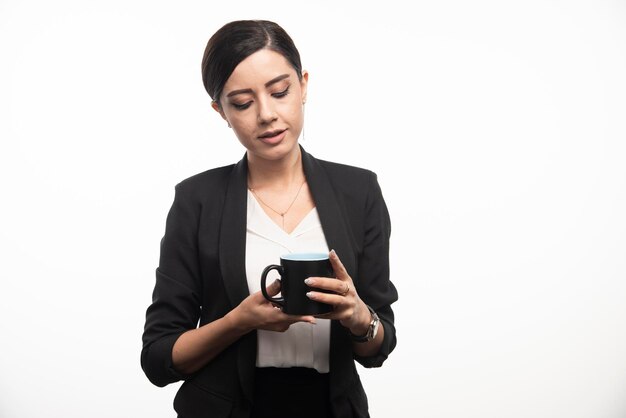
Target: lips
{"points": [[271, 134], [273, 137]]}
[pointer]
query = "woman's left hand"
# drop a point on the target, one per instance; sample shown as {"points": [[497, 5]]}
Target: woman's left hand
{"points": [[348, 307]]}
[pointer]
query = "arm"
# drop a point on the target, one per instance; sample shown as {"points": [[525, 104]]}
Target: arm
{"points": [[173, 348], [195, 348], [374, 287]]}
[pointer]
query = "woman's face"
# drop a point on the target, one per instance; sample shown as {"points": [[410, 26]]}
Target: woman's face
{"points": [[262, 101]]}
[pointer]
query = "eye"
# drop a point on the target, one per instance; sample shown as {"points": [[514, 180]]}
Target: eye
{"points": [[241, 106], [281, 93]]}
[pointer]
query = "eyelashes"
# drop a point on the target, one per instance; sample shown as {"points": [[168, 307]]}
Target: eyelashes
{"points": [[241, 106], [278, 95], [281, 93]]}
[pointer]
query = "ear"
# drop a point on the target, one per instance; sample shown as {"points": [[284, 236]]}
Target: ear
{"points": [[216, 106], [303, 84]]}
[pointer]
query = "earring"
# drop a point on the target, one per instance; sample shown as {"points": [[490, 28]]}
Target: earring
{"points": [[303, 107]]}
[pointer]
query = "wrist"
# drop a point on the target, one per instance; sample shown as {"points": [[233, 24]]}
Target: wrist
{"points": [[364, 319], [235, 322], [371, 331]]}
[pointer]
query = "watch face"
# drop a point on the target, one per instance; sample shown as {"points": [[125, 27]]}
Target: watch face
{"points": [[374, 328]]}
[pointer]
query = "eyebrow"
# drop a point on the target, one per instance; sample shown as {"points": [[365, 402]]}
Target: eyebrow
{"points": [[269, 83]]}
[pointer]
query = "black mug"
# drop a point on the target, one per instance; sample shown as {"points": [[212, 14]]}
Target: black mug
{"points": [[293, 269]]}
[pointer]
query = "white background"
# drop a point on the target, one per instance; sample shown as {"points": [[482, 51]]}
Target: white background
{"points": [[497, 129]]}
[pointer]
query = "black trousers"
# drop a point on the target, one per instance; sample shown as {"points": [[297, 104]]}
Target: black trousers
{"points": [[295, 392]]}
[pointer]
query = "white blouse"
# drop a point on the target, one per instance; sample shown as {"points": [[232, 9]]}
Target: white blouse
{"points": [[302, 345]]}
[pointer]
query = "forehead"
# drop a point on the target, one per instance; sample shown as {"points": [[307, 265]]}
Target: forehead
{"points": [[257, 69]]}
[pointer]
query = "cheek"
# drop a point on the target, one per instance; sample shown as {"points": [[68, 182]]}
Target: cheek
{"points": [[237, 119], [292, 111], [243, 127]]}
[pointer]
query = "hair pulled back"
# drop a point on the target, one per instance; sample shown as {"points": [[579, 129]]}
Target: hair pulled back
{"points": [[237, 40]]}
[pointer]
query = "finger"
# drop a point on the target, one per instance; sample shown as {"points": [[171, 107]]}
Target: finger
{"points": [[338, 314], [340, 270], [274, 288], [299, 318], [328, 298], [306, 318], [327, 315], [334, 285]]}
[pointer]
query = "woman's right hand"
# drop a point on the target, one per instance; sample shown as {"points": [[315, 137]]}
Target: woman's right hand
{"points": [[256, 312]]}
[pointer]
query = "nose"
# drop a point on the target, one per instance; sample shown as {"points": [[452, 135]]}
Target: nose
{"points": [[266, 111]]}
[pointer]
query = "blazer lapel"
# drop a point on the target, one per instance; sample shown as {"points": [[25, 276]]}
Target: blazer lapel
{"points": [[330, 212], [232, 254], [232, 243], [333, 219]]}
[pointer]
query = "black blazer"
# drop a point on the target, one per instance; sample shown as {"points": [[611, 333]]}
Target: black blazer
{"points": [[201, 277]]}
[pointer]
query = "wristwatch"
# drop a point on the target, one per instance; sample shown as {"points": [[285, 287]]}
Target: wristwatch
{"points": [[372, 330]]}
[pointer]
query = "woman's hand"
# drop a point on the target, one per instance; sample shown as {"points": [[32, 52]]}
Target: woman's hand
{"points": [[256, 312], [196, 347], [348, 308]]}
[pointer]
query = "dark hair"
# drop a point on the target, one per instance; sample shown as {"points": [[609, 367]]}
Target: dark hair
{"points": [[234, 42]]}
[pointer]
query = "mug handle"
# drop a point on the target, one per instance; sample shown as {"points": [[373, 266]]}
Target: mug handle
{"points": [[281, 300]]}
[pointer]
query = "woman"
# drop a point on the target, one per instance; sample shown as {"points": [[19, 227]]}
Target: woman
{"points": [[208, 323]]}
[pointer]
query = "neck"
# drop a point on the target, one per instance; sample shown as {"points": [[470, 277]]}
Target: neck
{"points": [[275, 173]]}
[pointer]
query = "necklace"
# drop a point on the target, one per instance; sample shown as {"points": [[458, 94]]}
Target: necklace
{"points": [[283, 213]]}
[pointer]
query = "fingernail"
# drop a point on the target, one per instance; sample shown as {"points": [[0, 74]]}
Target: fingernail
{"points": [[308, 281], [310, 295], [333, 253]]}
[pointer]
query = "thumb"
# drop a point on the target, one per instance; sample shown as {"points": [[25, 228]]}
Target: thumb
{"points": [[274, 288]]}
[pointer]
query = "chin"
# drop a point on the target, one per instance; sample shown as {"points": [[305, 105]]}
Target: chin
{"points": [[279, 151]]}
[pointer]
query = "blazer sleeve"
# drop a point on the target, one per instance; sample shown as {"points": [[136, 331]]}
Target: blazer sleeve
{"points": [[375, 287], [176, 298]]}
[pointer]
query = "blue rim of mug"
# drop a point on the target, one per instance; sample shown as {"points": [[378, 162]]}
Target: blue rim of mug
{"points": [[304, 257]]}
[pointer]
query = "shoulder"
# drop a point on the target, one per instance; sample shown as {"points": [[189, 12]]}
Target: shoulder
{"points": [[215, 177], [355, 183], [346, 174], [212, 180]]}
